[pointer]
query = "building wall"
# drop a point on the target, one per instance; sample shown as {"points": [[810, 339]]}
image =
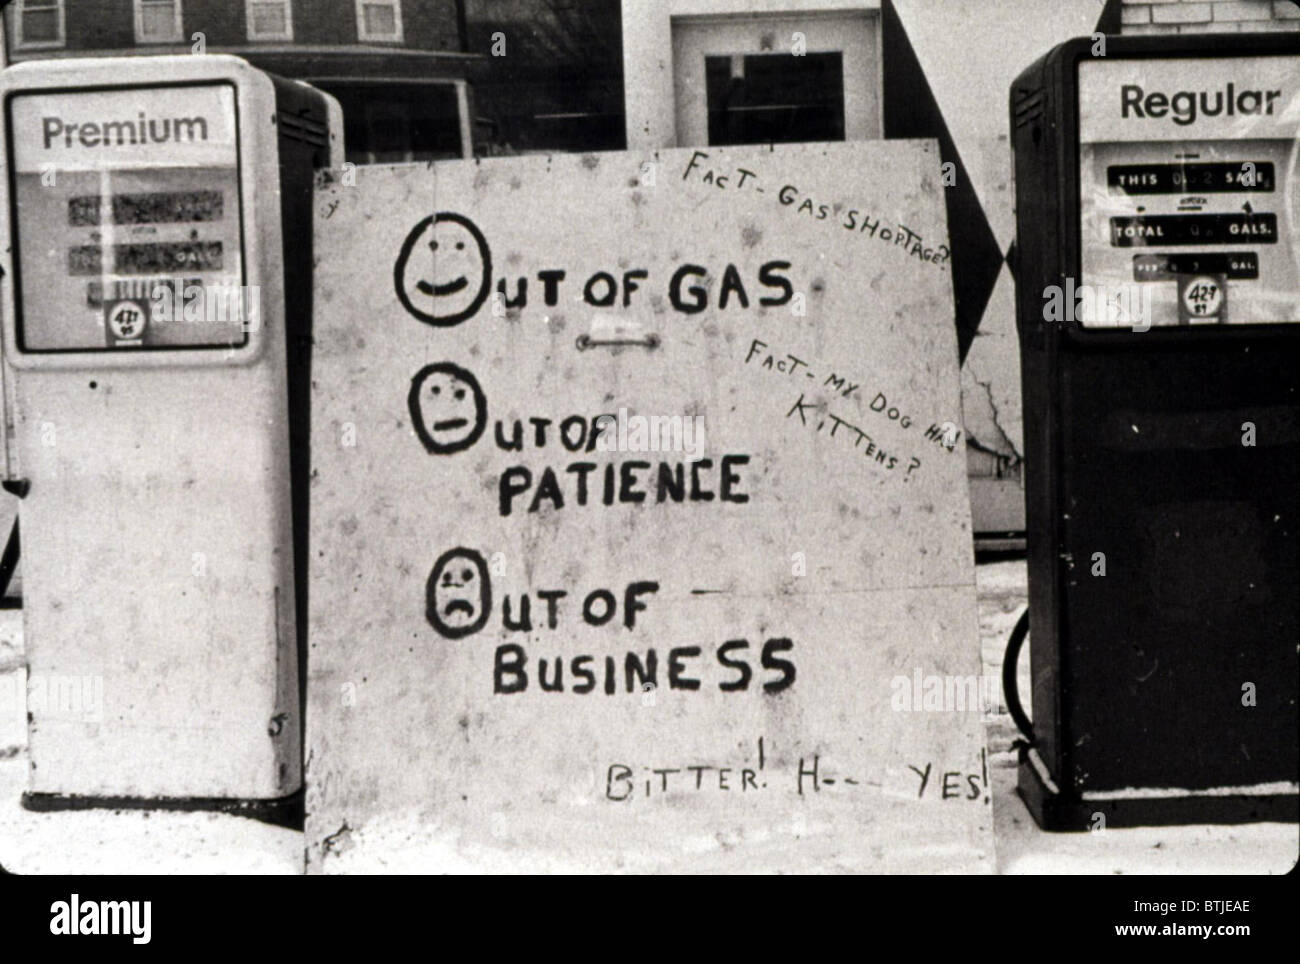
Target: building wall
{"points": [[1203, 16], [96, 24], [947, 68], [550, 74], [92, 25], [648, 54]]}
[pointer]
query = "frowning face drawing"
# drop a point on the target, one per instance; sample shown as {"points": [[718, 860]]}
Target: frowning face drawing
{"points": [[458, 596], [444, 270], [448, 408]]}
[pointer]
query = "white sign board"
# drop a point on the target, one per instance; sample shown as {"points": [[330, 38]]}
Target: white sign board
{"points": [[640, 536]]}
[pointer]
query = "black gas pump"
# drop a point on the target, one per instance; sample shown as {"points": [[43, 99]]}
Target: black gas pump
{"points": [[1158, 309]]}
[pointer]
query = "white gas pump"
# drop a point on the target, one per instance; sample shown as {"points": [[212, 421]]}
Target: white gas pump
{"points": [[156, 323]]}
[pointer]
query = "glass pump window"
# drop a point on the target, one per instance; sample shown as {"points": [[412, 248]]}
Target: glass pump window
{"points": [[1187, 192], [127, 221]]}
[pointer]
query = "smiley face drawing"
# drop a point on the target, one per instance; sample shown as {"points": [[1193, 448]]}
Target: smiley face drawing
{"points": [[448, 408], [458, 596], [444, 270]]}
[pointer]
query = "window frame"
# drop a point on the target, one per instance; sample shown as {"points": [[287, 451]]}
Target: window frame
{"points": [[286, 34], [364, 37], [178, 19], [857, 34], [19, 9]]}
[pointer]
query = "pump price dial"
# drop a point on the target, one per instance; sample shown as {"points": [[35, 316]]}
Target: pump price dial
{"points": [[146, 258], [1202, 296], [1200, 177]]}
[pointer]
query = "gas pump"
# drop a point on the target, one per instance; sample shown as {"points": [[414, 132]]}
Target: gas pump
{"points": [[1158, 308], [156, 336]]}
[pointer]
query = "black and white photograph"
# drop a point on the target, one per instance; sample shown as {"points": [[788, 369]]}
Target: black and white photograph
{"points": [[651, 437]]}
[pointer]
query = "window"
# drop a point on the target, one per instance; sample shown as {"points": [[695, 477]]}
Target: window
{"points": [[38, 23], [269, 19], [379, 20], [391, 123], [741, 80], [158, 21], [775, 98]]}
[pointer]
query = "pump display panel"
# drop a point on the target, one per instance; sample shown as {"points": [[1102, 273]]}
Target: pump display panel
{"points": [[128, 218], [1187, 181]]}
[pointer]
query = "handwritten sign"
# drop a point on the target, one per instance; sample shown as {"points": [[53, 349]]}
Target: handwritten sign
{"points": [[640, 535]]}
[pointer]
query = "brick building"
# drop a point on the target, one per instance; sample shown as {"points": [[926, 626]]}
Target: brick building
{"points": [[410, 74], [552, 74], [398, 67], [1206, 16]]}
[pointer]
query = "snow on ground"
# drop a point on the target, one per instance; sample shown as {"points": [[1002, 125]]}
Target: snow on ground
{"points": [[129, 842]]}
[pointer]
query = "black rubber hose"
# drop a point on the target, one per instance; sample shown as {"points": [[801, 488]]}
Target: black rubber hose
{"points": [[1010, 689]]}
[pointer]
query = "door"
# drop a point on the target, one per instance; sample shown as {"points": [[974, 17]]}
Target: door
{"points": [[776, 79]]}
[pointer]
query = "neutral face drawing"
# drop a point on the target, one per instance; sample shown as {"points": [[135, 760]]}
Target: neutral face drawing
{"points": [[444, 270], [458, 596], [448, 408]]}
